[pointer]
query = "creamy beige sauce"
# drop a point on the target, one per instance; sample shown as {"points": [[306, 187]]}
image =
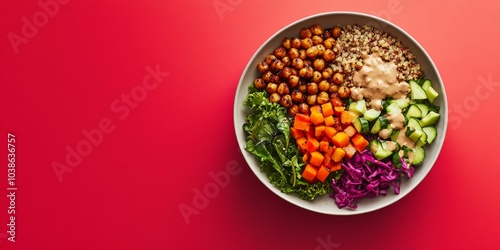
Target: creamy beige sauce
{"points": [[377, 80], [391, 146], [384, 133], [405, 140], [397, 120]]}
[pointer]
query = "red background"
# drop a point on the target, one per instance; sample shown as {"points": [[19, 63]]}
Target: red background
{"points": [[127, 192]]}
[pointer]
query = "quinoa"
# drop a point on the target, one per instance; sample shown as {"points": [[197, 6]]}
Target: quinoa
{"points": [[355, 40]]}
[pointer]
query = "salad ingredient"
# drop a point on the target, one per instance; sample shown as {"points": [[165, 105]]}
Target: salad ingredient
{"points": [[271, 140]]}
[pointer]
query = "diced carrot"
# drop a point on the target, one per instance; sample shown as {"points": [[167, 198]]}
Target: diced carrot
{"points": [[309, 172], [337, 125], [322, 173], [340, 139], [359, 142], [330, 151], [316, 158], [301, 143], [315, 108], [305, 157], [338, 154], [312, 145], [350, 150], [323, 146], [338, 110], [302, 117], [317, 118], [350, 131], [346, 117], [300, 124], [330, 132], [327, 109], [335, 166], [318, 131], [329, 121], [296, 133], [327, 159], [311, 132]]}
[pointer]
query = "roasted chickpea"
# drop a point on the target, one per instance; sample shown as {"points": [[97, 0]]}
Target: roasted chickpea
{"points": [[302, 87], [336, 31], [317, 40], [344, 92], [294, 71], [293, 53], [262, 67], [266, 76], [275, 79], [283, 89], [293, 110], [286, 43], [308, 62], [333, 89], [322, 98], [324, 85], [293, 81], [270, 59], [312, 88], [297, 96], [305, 33], [317, 77], [327, 73], [296, 43], [317, 29], [321, 49], [286, 61], [303, 108], [306, 72], [312, 52], [338, 78], [307, 43], [311, 100], [277, 65], [259, 83], [286, 101], [329, 43], [327, 33], [319, 64], [285, 73], [280, 52], [275, 98], [302, 54], [271, 87], [329, 55], [297, 63]]}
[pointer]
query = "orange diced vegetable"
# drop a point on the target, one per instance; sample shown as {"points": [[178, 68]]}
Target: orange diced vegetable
{"points": [[329, 121], [340, 139], [318, 131], [302, 117], [312, 145], [317, 118], [316, 159], [322, 173], [323, 146], [337, 125], [350, 150], [305, 157], [359, 142], [338, 154], [301, 143], [350, 131], [311, 132], [330, 132], [346, 117], [300, 124], [330, 151], [327, 109], [327, 159], [338, 110], [296, 133], [335, 166], [309, 173], [315, 109]]}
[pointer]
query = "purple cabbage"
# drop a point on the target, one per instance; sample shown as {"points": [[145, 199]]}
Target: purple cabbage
{"points": [[366, 177]]}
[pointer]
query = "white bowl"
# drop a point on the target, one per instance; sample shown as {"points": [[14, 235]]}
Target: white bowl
{"points": [[325, 204]]}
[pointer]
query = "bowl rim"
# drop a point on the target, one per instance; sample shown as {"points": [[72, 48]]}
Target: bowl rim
{"points": [[384, 22]]}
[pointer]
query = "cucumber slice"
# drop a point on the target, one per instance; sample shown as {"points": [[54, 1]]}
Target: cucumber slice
{"points": [[353, 108], [414, 111], [372, 114], [431, 133], [374, 145], [426, 84], [361, 106], [423, 108], [402, 102], [430, 119], [422, 140], [361, 125], [418, 155], [393, 108], [415, 136], [382, 153], [417, 93], [394, 136], [432, 94], [380, 123], [414, 123]]}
